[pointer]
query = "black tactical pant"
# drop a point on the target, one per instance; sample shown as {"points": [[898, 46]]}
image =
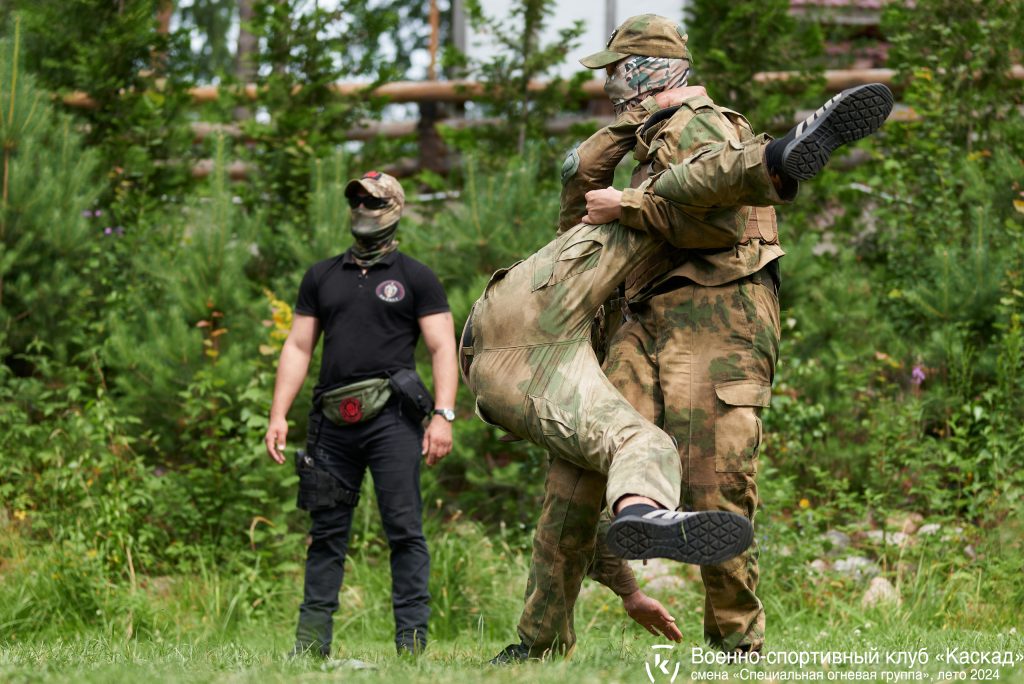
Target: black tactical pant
{"points": [[390, 445]]}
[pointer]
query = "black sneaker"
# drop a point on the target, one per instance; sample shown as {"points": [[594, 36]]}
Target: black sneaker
{"points": [[411, 650], [512, 654], [411, 642], [851, 115], [312, 651], [701, 538]]}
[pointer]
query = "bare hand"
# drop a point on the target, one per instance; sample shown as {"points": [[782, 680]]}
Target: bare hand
{"points": [[437, 440], [676, 96], [603, 206], [651, 615], [276, 439]]}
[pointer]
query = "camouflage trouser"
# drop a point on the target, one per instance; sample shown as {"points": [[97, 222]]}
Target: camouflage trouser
{"points": [[564, 549], [699, 361], [535, 374]]}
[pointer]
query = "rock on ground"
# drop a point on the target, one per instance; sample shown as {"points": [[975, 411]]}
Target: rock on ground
{"points": [[883, 537], [819, 566], [840, 541], [856, 567], [880, 592]]}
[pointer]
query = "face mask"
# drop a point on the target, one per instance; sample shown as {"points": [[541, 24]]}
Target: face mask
{"points": [[374, 219], [372, 245], [636, 77]]}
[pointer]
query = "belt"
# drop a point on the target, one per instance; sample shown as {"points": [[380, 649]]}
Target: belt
{"points": [[769, 276]]}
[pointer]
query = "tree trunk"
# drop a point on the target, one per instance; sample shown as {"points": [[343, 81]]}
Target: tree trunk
{"points": [[164, 12], [435, 39], [163, 17], [531, 21], [245, 54], [433, 151]]}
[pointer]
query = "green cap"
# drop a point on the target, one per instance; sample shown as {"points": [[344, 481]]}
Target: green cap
{"points": [[649, 35]]}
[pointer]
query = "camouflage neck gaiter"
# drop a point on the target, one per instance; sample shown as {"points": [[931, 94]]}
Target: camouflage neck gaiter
{"points": [[636, 77], [371, 247]]}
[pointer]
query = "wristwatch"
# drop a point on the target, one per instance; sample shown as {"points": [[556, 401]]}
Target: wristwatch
{"points": [[447, 414]]}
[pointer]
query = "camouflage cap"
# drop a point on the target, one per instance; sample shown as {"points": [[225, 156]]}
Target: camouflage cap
{"points": [[382, 186], [649, 35]]}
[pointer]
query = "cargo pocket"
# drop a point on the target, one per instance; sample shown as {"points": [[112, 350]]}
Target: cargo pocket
{"points": [[553, 428], [318, 489], [738, 425], [711, 150], [576, 257], [705, 152]]}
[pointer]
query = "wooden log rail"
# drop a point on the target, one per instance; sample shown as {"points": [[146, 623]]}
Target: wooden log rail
{"points": [[397, 129], [238, 170], [463, 91]]}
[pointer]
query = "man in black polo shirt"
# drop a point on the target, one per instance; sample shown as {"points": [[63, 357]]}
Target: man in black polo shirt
{"points": [[372, 303]]}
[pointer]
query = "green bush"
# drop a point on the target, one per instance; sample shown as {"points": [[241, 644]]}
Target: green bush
{"points": [[731, 42], [48, 244]]}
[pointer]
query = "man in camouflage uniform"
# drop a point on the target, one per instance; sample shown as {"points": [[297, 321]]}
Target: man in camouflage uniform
{"points": [[697, 352], [529, 360]]}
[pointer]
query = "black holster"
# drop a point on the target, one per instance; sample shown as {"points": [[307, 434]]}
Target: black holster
{"points": [[318, 489], [413, 395]]}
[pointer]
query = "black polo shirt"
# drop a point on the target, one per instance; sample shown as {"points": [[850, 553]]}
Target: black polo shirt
{"points": [[369, 321]]}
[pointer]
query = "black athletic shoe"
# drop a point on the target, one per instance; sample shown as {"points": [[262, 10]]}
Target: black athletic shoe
{"points": [[851, 115], [312, 651], [512, 654], [411, 650], [701, 538]]}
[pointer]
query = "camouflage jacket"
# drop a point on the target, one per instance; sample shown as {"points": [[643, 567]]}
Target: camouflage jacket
{"points": [[710, 245]]}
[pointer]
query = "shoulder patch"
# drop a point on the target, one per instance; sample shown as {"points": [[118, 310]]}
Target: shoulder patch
{"points": [[571, 165]]}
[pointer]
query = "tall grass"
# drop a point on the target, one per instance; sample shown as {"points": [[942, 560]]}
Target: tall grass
{"points": [[61, 614]]}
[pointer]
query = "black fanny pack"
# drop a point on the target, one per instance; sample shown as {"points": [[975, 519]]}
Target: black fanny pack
{"points": [[413, 395]]}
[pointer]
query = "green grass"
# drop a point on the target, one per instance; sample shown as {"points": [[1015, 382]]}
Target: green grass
{"points": [[255, 654], [64, 617]]}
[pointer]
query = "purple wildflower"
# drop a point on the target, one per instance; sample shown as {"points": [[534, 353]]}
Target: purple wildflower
{"points": [[917, 376], [87, 214], [98, 212], [108, 230]]}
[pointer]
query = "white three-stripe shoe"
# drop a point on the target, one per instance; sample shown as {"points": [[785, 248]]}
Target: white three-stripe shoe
{"points": [[851, 115], [701, 537]]}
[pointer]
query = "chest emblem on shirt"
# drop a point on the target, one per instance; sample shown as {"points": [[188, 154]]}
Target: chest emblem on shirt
{"points": [[391, 291]]}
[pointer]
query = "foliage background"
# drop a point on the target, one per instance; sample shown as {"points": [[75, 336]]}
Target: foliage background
{"points": [[142, 310]]}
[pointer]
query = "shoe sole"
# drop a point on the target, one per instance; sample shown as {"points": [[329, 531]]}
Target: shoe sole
{"points": [[851, 115], [702, 538]]}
